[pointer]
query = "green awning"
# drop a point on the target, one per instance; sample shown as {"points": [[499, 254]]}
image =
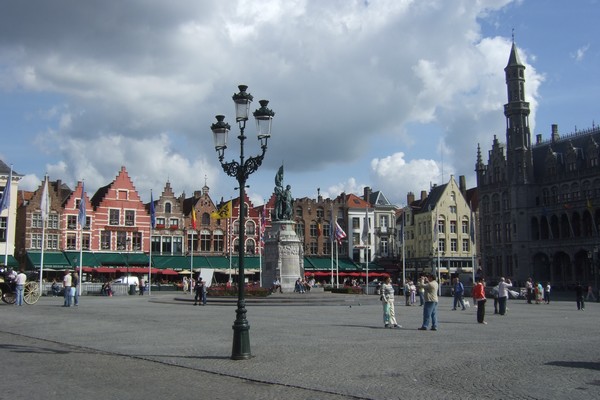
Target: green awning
{"points": [[324, 264], [249, 262], [11, 261], [110, 258], [52, 260], [122, 259], [178, 263], [218, 262], [89, 259]]}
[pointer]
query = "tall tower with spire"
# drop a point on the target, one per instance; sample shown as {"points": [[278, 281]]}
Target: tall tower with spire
{"points": [[516, 111]]}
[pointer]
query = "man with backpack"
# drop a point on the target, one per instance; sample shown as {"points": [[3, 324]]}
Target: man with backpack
{"points": [[459, 291]]}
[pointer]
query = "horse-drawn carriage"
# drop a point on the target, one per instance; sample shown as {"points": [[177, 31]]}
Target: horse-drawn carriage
{"points": [[8, 291]]}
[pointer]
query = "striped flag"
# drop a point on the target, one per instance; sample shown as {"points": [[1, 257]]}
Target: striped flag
{"points": [[263, 224], [193, 218], [5, 201], [366, 228], [81, 217], [339, 233]]}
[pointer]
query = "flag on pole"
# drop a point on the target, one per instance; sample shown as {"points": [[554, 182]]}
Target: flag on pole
{"points": [[152, 212], [45, 203], [263, 224], [82, 210], [223, 212], [193, 218], [366, 228], [339, 233], [5, 201]]}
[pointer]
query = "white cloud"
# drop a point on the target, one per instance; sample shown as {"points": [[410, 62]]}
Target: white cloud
{"points": [[580, 53]]}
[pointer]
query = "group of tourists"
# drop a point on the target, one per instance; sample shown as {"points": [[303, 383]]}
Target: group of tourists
{"points": [[427, 287]]}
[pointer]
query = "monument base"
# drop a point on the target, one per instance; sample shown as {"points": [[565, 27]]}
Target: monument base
{"points": [[284, 256]]}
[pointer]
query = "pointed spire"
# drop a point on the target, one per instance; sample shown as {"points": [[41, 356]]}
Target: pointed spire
{"points": [[514, 59]]}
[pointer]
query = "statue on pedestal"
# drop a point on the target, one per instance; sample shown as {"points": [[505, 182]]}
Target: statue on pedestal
{"points": [[283, 199]]}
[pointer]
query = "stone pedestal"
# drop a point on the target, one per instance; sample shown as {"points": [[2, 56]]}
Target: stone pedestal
{"points": [[284, 256]]}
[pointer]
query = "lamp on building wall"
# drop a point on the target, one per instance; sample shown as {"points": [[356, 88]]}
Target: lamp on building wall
{"points": [[241, 171]]}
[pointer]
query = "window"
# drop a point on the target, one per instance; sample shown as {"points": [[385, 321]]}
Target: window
{"points": [[113, 218], [192, 242], [177, 245], [105, 239], [137, 241], [71, 221], [122, 243], [206, 219], [465, 245], [383, 221], [53, 221], [299, 212], [85, 241], [52, 243], [314, 248], [355, 223], [129, 217], [71, 241], [465, 227], [452, 226], [326, 228], [320, 213], [454, 245], [205, 240], [452, 209], [250, 246], [300, 229], [441, 226], [166, 245], [174, 223], [383, 247], [327, 247], [155, 245], [168, 208], [3, 229], [236, 227], [442, 245], [314, 232], [36, 241], [250, 228], [219, 242], [36, 221]]}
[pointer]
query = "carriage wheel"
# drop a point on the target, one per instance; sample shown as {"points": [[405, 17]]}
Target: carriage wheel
{"points": [[32, 293], [9, 297]]}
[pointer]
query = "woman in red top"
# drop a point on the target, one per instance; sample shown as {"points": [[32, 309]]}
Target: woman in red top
{"points": [[479, 299]]}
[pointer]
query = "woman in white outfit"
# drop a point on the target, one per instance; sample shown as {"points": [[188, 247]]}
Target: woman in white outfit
{"points": [[387, 299]]}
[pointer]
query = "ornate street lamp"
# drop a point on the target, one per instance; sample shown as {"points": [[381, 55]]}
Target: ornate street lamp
{"points": [[241, 171]]}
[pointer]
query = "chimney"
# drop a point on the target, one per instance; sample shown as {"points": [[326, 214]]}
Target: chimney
{"points": [[423, 194], [462, 184], [410, 198], [367, 194], [555, 134], [197, 194]]}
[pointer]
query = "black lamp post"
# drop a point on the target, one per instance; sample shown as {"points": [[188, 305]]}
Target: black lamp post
{"points": [[241, 171]]}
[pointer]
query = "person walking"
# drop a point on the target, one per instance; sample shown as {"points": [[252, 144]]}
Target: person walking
{"points": [[590, 294], [20, 281], [503, 294], [529, 287], [407, 292], [75, 289], [579, 296], [142, 286], [430, 285], [387, 300], [67, 282], [479, 299], [459, 291], [547, 289]]}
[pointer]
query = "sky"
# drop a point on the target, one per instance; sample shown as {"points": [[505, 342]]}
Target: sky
{"points": [[390, 94]]}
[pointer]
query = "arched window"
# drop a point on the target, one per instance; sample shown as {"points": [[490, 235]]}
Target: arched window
{"points": [[168, 207]]}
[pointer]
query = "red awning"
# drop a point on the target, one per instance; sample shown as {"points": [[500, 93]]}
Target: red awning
{"points": [[105, 270], [168, 272]]}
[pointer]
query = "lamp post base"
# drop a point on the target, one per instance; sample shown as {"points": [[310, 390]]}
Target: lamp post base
{"points": [[241, 341], [241, 335]]}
